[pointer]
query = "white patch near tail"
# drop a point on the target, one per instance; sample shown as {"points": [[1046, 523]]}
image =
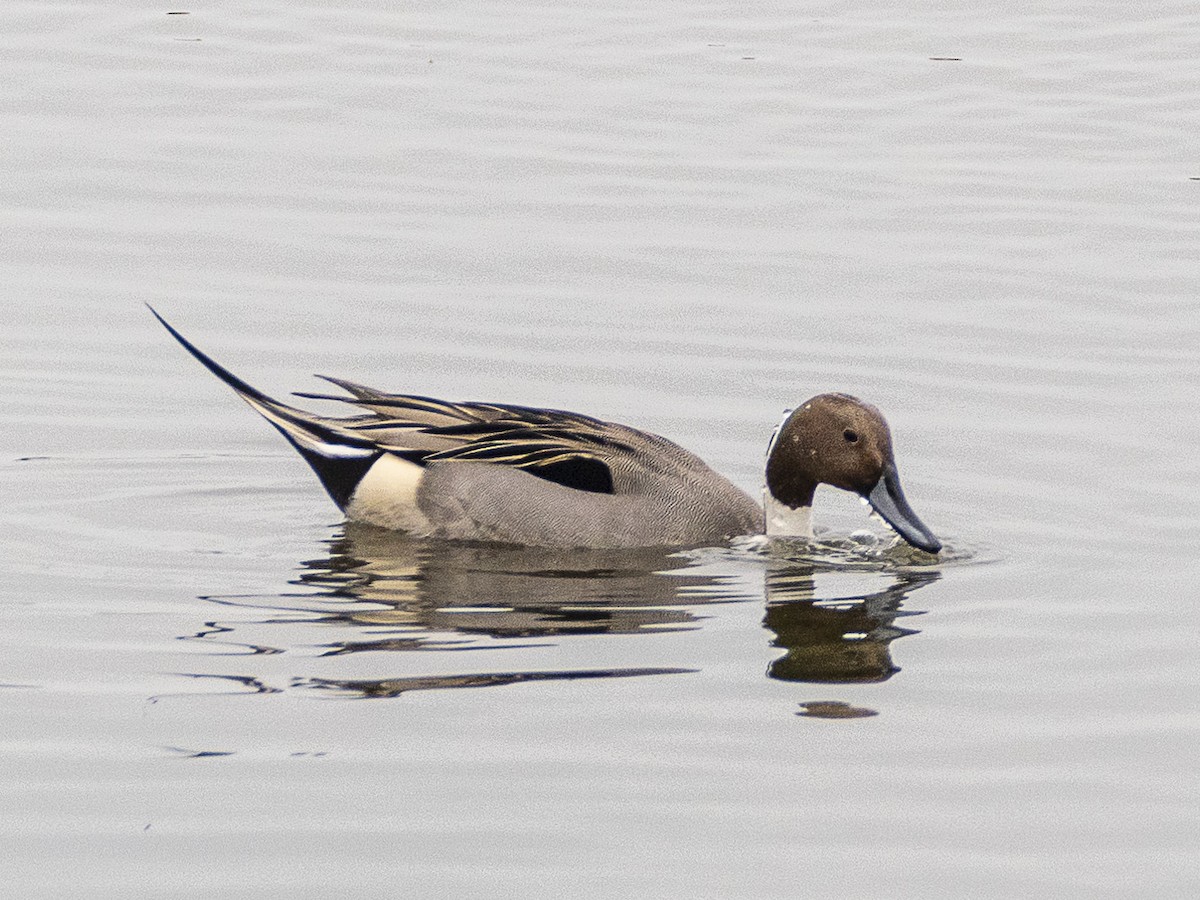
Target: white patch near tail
{"points": [[387, 496], [783, 521]]}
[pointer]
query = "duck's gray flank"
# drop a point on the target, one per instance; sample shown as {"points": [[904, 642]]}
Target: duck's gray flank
{"points": [[546, 477]]}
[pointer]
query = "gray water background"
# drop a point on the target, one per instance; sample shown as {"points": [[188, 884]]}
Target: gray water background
{"points": [[683, 216]]}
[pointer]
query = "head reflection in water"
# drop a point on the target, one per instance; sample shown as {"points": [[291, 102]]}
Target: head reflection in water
{"points": [[843, 640]]}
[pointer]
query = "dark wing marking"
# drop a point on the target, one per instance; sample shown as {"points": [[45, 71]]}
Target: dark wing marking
{"points": [[565, 457], [582, 473]]}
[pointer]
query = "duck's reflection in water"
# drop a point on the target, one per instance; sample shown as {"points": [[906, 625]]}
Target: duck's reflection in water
{"points": [[424, 589], [394, 687], [836, 640], [378, 591]]}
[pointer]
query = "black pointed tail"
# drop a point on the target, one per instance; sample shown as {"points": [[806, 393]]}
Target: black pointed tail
{"points": [[339, 459]]}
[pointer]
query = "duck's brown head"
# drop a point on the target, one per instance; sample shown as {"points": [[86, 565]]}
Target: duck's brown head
{"points": [[839, 440]]}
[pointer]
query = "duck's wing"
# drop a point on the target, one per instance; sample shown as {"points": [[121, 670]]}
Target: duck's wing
{"points": [[570, 449], [405, 409]]}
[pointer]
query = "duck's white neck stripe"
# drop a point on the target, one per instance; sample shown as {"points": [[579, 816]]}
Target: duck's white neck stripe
{"points": [[778, 428], [783, 521]]}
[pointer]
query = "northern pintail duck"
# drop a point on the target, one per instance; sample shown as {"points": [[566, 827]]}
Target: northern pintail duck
{"points": [[544, 477]]}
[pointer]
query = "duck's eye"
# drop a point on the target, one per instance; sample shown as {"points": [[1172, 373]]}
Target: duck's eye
{"points": [[850, 436]]}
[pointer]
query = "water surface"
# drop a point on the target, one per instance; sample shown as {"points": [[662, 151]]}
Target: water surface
{"points": [[684, 217]]}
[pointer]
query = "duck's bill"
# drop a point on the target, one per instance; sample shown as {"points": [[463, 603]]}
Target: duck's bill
{"points": [[887, 499]]}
